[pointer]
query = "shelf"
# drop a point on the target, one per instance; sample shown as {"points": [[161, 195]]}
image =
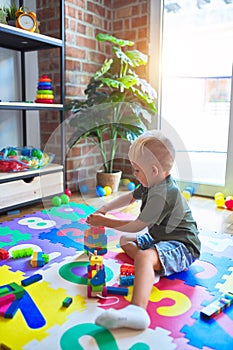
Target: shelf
{"points": [[51, 168], [30, 106], [21, 40]]}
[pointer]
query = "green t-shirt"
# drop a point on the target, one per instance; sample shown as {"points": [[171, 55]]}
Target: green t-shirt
{"points": [[168, 215]]}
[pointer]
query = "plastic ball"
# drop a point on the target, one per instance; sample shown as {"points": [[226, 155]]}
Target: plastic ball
{"points": [[68, 192], [84, 189], [65, 199], [100, 191], [229, 202], [190, 189], [37, 153], [218, 194], [125, 182], [131, 186], [108, 190], [56, 201], [186, 195], [26, 152], [220, 201]]}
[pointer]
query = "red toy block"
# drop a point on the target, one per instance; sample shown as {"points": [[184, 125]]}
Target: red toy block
{"points": [[4, 254]]}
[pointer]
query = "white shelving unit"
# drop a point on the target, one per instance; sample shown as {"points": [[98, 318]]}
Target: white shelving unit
{"points": [[23, 188]]}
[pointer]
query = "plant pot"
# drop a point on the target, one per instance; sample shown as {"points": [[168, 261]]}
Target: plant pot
{"points": [[11, 22], [109, 179]]}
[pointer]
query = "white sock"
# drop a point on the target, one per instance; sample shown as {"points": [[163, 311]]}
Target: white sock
{"points": [[132, 316]]}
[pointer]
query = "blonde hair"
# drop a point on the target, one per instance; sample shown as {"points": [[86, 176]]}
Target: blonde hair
{"points": [[154, 148]]}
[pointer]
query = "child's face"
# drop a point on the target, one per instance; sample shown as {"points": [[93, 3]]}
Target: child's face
{"points": [[141, 175]]}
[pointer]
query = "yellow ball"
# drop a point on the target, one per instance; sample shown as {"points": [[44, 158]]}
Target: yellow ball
{"points": [[220, 201], [218, 194], [108, 190], [186, 195], [125, 182]]}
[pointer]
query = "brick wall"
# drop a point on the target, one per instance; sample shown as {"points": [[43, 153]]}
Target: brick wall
{"points": [[83, 20]]}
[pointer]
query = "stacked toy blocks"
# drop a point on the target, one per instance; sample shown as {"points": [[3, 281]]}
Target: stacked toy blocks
{"points": [[39, 259], [10, 297], [96, 276], [44, 90], [95, 239], [217, 306], [126, 275]]}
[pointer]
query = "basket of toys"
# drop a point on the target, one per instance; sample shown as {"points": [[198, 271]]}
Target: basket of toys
{"points": [[13, 159]]}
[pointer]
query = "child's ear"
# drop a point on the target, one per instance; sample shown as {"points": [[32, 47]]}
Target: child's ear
{"points": [[155, 170]]}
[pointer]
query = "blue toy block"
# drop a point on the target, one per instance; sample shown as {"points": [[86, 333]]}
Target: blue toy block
{"points": [[67, 301], [32, 279], [117, 291], [99, 278]]}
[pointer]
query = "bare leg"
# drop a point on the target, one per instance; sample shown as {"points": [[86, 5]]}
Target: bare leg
{"points": [[146, 262], [129, 245]]}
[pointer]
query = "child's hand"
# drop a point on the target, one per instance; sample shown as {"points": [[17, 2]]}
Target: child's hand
{"points": [[95, 219]]}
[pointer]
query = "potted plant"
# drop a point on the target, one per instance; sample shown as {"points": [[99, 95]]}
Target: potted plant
{"points": [[11, 14], [118, 102]]}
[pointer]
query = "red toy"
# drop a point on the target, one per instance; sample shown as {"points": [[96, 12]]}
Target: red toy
{"points": [[4, 254]]}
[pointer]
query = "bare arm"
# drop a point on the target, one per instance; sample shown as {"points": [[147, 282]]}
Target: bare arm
{"points": [[98, 219], [116, 203]]}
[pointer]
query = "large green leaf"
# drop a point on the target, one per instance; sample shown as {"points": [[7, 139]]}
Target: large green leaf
{"points": [[106, 37]]}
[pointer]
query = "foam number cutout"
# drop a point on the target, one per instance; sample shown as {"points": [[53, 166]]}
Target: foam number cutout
{"points": [[181, 302], [72, 338]]}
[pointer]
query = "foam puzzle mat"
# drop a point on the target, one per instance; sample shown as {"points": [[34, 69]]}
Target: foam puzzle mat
{"points": [[42, 323]]}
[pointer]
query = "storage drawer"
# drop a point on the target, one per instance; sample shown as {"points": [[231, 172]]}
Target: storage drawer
{"points": [[29, 189]]}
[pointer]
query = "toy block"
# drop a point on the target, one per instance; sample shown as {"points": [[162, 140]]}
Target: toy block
{"points": [[21, 253], [217, 306], [95, 230], [67, 301], [95, 259], [4, 290], [6, 299], [126, 269], [11, 311], [99, 278], [4, 254], [39, 259], [114, 290], [14, 288], [32, 279], [127, 280]]}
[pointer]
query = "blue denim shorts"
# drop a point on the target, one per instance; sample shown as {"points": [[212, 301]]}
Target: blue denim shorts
{"points": [[174, 255]]}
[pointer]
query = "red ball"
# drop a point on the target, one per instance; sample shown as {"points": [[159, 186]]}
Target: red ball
{"points": [[229, 203], [68, 192]]}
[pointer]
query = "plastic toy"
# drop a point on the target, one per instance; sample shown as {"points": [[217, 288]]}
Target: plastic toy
{"points": [[217, 306], [44, 90], [13, 159], [125, 182], [188, 192], [39, 259], [229, 202], [56, 201], [100, 191], [32, 279], [127, 275], [67, 301], [108, 190], [95, 239], [68, 192], [96, 283], [131, 186], [3, 254], [84, 189], [65, 199], [21, 253]]}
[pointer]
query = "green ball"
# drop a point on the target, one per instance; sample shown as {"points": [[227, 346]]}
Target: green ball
{"points": [[56, 201], [65, 199]]}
